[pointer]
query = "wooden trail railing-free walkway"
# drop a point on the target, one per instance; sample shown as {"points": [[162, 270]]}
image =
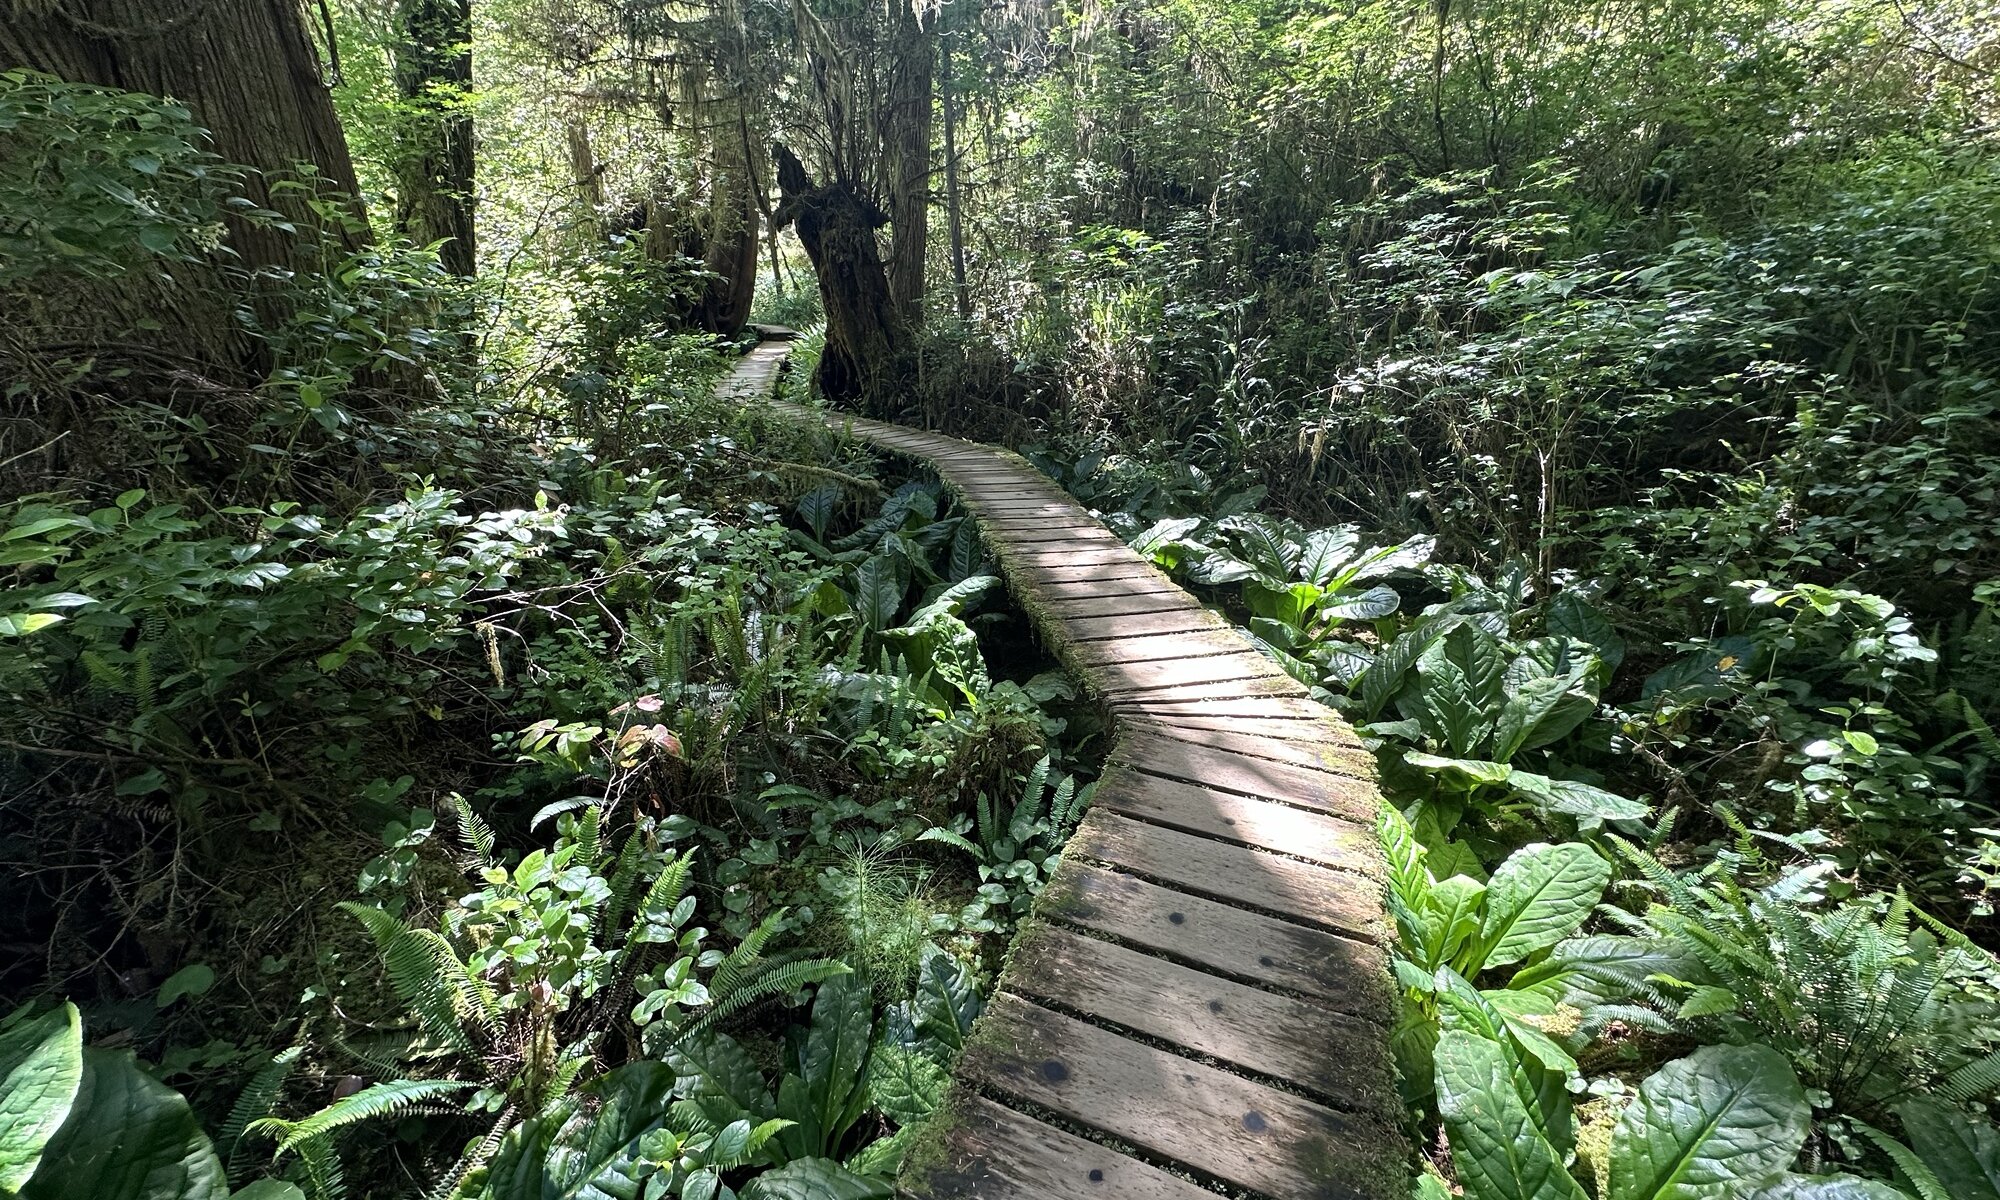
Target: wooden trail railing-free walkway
{"points": [[1199, 1001]]}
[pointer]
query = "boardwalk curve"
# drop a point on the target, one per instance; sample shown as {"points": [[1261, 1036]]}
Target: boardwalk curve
{"points": [[1199, 1002]]}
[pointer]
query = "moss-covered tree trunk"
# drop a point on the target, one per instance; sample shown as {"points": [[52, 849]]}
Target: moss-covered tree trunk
{"points": [[906, 145], [435, 149], [864, 335], [729, 247], [248, 72]]}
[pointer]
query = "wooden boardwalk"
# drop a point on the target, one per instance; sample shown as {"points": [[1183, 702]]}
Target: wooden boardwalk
{"points": [[1199, 1003]]}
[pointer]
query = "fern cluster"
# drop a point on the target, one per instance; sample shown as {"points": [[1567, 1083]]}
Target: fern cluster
{"points": [[1870, 1008]]}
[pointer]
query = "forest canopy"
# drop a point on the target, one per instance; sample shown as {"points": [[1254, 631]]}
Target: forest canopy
{"points": [[450, 748]]}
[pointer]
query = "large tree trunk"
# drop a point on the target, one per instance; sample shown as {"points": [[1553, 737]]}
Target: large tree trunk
{"points": [[434, 154], [730, 247], [864, 336], [906, 143], [248, 72]]}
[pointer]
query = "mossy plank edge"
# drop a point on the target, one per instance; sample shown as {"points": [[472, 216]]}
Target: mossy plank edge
{"points": [[1328, 956]]}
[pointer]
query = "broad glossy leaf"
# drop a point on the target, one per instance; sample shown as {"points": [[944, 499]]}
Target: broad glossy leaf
{"points": [[1450, 916], [1570, 615], [1325, 552], [1462, 677], [1464, 772], [1378, 601], [589, 1147], [1830, 1187], [904, 1084], [715, 1072], [1961, 1150], [816, 508], [825, 1091], [1538, 897], [1709, 1125], [947, 1003], [1604, 970], [41, 1068], [128, 1137], [1575, 799], [1497, 1144], [816, 1179], [878, 591]]}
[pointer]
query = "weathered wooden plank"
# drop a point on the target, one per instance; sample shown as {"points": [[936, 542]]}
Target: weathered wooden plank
{"points": [[1121, 677], [1346, 974], [1072, 609], [1341, 795], [1099, 589], [1182, 618], [1218, 1123], [1347, 844], [1165, 647], [1282, 707], [1086, 572], [1344, 901], [995, 1153], [1324, 750], [1068, 554], [1302, 1044]]}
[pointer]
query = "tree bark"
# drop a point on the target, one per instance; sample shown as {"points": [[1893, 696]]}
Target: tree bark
{"points": [[435, 151], [585, 175], [906, 144], [864, 334], [248, 72], [730, 248], [954, 215]]}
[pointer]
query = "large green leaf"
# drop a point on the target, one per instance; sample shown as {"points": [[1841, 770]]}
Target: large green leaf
{"points": [[878, 591], [1463, 678], [826, 1091], [588, 1148], [1712, 1124], [1962, 1151], [1575, 799], [1538, 897], [947, 1003], [41, 1067], [718, 1075], [1450, 915], [815, 1179], [1828, 1187], [903, 1084], [1497, 1144], [128, 1137], [1604, 969]]}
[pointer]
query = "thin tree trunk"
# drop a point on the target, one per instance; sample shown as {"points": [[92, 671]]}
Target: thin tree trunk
{"points": [[954, 217], [906, 138], [584, 174], [435, 152]]}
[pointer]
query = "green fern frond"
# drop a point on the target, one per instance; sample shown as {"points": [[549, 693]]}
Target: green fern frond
{"points": [[743, 962], [257, 1099], [381, 1100], [1914, 1169], [1973, 1081], [430, 979], [776, 981], [473, 832], [476, 1156], [323, 1175]]}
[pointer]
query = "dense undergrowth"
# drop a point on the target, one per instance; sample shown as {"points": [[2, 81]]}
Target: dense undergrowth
{"points": [[555, 776], [1597, 404]]}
